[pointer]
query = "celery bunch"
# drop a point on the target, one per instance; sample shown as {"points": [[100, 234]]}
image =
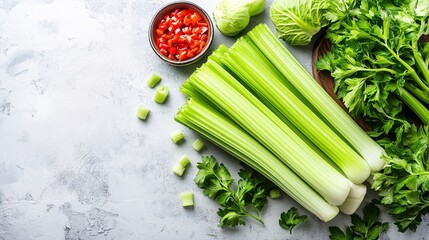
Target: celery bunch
{"points": [[258, 103]]}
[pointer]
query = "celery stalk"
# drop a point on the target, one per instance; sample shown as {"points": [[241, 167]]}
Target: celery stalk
{"points": [[222, 131], [354, 200], [282, 141], [258, 75], [337, 118]]}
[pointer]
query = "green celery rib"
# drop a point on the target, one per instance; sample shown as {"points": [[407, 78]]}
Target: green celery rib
{"points": [[244, 60], [423, 96], [414, 104], [420, 62], [212, 81], [336, 117], [220, 130]]}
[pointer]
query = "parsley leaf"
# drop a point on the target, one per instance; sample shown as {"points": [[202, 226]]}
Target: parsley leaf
{"points": [[290, 219], [246, 199], [367, 227]]}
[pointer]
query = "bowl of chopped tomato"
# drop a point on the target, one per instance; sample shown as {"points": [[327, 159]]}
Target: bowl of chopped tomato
{"points": [[181, 33]]}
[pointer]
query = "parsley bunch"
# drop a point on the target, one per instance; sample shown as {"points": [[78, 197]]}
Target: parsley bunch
{"points": [[246, 199], [379, 63], [403, 185]]}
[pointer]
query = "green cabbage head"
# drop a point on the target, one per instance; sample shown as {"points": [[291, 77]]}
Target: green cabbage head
{"points": [[232, 16], [296, 21]]}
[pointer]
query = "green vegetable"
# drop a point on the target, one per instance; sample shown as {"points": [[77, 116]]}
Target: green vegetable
{"points": [[142, 112], [368, 227], [198, 145], [290, 219], [249, 193], [220, 88], [255, 6], [325, 106], [187, 199], [354, 199], [296, 21], [214, 126], [403, 185], [258, 74], [153, 80], [378, 63], [161, 94], [180, 167], [179, 170], [275, 193], [184, 161], [177, 136], [233, 16]]}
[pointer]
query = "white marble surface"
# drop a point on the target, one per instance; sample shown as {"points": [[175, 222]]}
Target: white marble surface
{"points": [[75, 163]]}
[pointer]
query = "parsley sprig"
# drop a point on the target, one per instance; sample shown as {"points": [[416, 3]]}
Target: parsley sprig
{"points": [[246, 199], [290, 219], [363, 228]]}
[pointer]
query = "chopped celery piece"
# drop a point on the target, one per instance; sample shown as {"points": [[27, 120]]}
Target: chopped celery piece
{"points": [[142, 112], [198, 145], [161, 94], [184, 161], [220, 88], [180, 167], [179, 170], [222, 131], [153, 80], [177, 136], [275, 193], [187, 199], [259, 76], [335, 116]]}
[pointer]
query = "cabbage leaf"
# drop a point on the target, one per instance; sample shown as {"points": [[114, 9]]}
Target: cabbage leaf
{"points": [[296, 21]]}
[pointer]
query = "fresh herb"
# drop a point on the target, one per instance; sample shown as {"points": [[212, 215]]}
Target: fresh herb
{"points": [[366, 228], [403, 185], [290, 219], [246, 199], [378, 62]]}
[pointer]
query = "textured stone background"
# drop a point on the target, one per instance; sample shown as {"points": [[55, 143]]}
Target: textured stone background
{"points": [[75, 163]]}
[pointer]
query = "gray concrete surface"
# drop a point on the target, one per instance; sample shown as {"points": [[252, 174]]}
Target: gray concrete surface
{"points": [[75, 163]]}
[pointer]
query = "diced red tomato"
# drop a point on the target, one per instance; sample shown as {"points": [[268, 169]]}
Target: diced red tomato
{"points": [[183, 56], [163, 51], [181, 34]]}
